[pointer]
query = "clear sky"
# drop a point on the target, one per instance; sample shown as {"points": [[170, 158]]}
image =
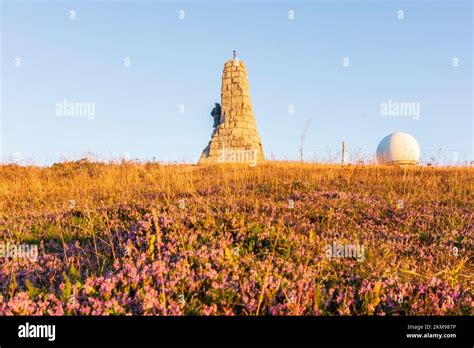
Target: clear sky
{"points": [[158, 106]]}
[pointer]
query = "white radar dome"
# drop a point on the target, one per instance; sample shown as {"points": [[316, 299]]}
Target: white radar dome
{"points": [[398, 148]]}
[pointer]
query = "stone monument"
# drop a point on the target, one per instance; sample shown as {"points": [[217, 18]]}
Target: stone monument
{"points": [[235, 138]]}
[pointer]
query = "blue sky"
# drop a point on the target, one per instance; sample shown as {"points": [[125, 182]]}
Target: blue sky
{"points": [[178, 62]]}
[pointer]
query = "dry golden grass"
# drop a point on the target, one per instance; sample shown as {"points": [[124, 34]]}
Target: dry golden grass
{"points": [[34, 190]]}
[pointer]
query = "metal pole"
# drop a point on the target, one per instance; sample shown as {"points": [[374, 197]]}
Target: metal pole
{"points": [[343, 151]]}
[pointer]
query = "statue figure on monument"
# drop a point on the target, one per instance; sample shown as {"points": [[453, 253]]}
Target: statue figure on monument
{"points": [[216, 114]]}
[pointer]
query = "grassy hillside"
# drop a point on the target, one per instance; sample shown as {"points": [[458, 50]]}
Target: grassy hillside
{"points": [[151, 239]]}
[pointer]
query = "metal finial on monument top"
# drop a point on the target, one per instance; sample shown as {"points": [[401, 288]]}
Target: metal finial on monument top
{"points": [[235, 60]]}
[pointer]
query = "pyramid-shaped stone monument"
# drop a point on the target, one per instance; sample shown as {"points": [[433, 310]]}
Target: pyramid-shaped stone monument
{"points": [[235, 138]]}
